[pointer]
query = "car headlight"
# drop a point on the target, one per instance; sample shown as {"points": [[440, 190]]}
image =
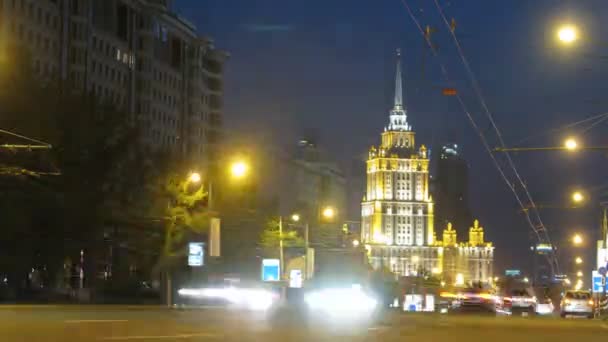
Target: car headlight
{"points": [[341, 301]]}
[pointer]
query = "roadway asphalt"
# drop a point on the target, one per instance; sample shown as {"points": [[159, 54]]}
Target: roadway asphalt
{"points": [[120, 323]]}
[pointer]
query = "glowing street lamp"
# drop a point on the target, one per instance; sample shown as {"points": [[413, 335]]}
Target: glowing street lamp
{"points": [[355, 243], [577, 197], [526, 280], [567, 34], [295, 217], [239, 169], [579, 274], [570, 144], [329, 213], [577, 239], [578, 260], [195, 177]]}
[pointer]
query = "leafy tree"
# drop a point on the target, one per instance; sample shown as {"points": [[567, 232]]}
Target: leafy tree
{"points": [[271, 237], [95, 148]]}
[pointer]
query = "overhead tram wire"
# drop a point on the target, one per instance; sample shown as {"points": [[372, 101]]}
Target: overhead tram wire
{"points": [[476, 87], [599, 117], [587, 129], [535, 229], [39, 144]]}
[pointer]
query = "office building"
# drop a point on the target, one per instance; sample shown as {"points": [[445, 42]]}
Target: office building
{"points": [[451, 188]]}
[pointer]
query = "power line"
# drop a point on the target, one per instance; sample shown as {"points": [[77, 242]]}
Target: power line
{"points": [[599, 121], [39, 144], [563, 128], [536, 229], [540, 226]]}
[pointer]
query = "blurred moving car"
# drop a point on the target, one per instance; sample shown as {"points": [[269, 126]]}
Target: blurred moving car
{"points": [[475, 299], [520, 301], [544, 306], [577, 303]]}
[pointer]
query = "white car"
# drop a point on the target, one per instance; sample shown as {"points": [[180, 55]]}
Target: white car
{"points": [[521, 301], [577, 303]]}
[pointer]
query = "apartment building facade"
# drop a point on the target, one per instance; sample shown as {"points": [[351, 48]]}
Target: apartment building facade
{"points": [[136, 55]]}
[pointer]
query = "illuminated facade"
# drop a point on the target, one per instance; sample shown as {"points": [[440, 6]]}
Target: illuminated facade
{"points": [[463, 262], [135, 55], [397, 211]]}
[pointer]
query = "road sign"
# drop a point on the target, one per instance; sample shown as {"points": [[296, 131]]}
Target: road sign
{"points": [[271, 270], [597, 281], [602, 271], [196, 254], [512, 273]]}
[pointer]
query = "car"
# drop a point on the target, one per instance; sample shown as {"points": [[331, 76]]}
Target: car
{"points": [[521, 301], [475, 299], [578, 303]]}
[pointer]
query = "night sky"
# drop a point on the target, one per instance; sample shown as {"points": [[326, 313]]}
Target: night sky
{"points": [[326, 68]]}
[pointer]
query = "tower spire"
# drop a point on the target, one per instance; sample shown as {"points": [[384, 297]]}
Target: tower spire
{"points": [[398, 105], [398, 115]]}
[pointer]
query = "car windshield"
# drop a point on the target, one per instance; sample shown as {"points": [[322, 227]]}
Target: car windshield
{"points": [[578, 295]]}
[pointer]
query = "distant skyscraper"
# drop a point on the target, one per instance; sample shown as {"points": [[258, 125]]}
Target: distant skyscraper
{"points": [[397, 211], [451, 189]]}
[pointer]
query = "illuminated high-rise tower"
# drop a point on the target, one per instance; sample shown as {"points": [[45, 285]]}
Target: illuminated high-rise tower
{"points": [[397, 211]]}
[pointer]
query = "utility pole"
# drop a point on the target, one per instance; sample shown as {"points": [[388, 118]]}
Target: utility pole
{"points": [[281, 247], [306, 245]]}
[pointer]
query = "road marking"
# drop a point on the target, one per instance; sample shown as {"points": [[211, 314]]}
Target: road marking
{"points": [[78, 321], [159, 337]]}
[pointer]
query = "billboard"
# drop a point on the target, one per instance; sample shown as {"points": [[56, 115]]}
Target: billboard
{"points": [[196, 254], [597, 282], [544, 248], [271, 270], [512, 273]]}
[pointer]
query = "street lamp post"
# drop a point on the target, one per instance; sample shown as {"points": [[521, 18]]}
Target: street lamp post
{"points": [[238, 170], [281, 257], [296, 218], [193, 178]]}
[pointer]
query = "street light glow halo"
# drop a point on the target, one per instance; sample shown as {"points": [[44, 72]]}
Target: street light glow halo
{"points": [[329, 212], [578, 197], [239, 169], [195, 177], [571, 144], [567, 34]]}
